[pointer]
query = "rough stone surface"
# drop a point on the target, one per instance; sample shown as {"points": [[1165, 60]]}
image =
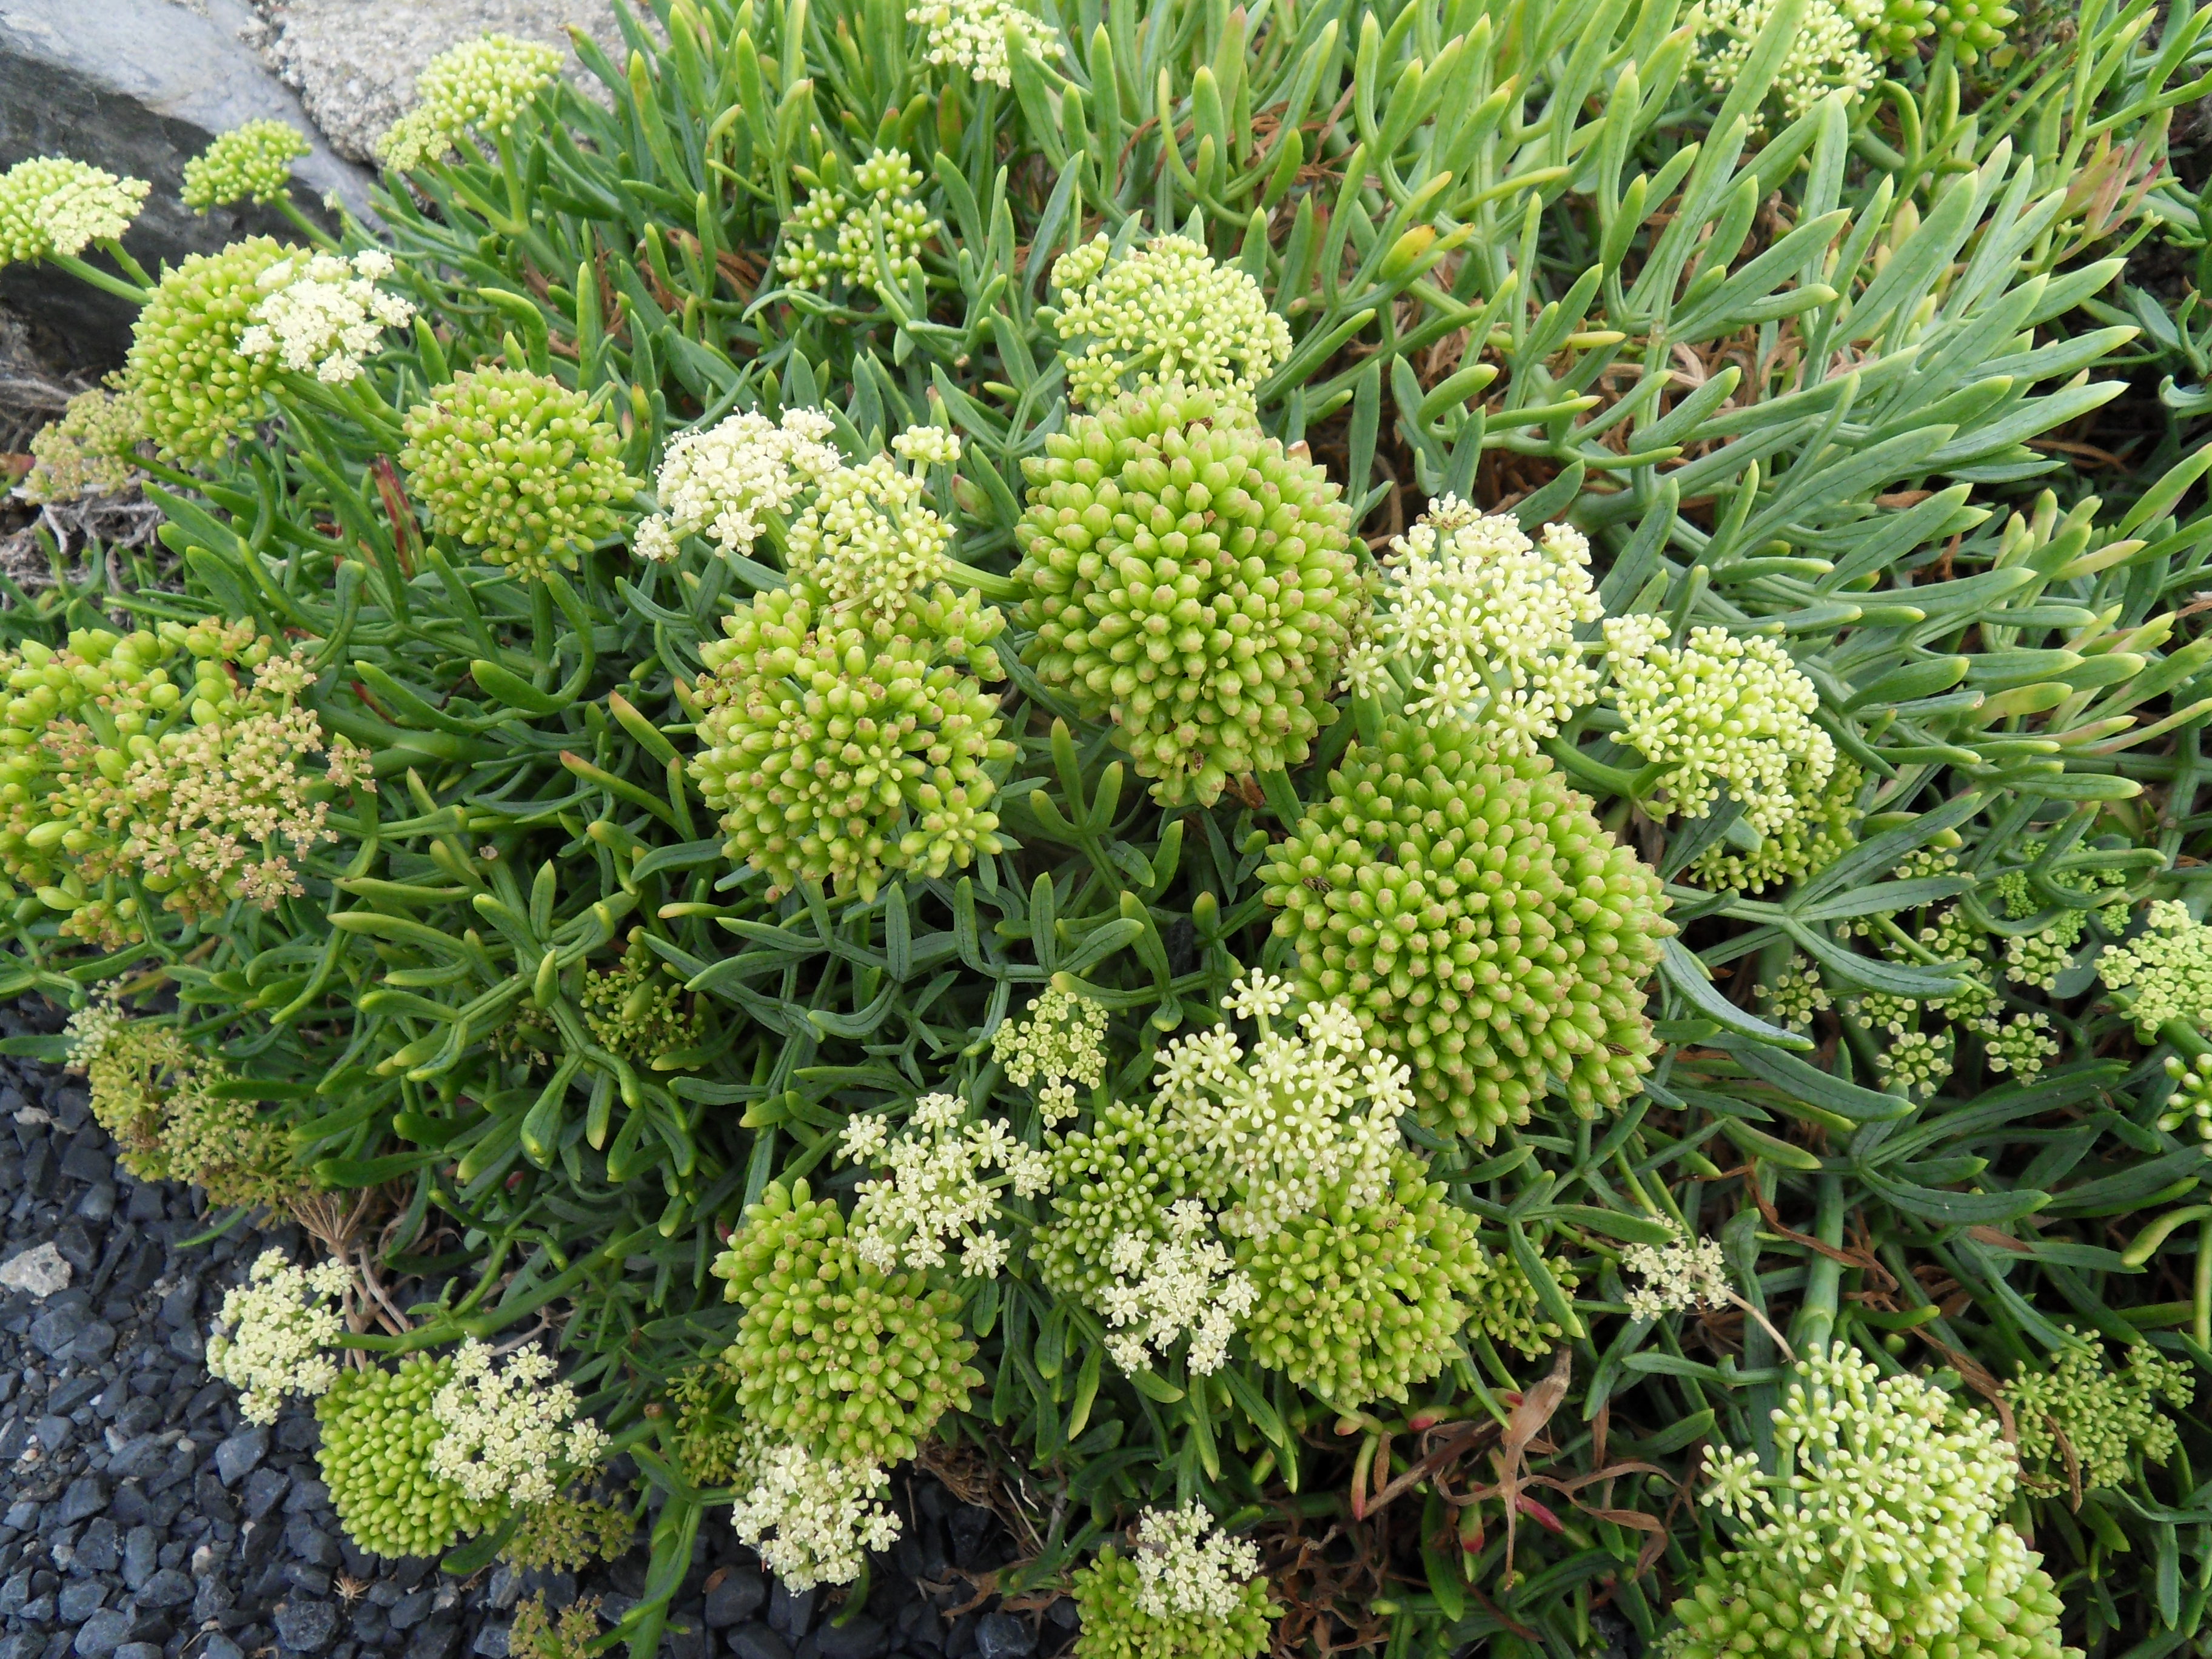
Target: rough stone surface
{"points": [[137, 87], [355, 61], [39, 1273]]}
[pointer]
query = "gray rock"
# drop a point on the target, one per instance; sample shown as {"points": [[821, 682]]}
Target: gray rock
{"points": [[80, 1599], [53, 1334], [142, 1552], [139, 1651], [863, 1638], [757, 1642], [355, 61], [999, 1636], [263, 1487], [306, 1626], [490, 1642], [241, 1453], [40, 1272], [167, 1589], [100, 1635], [219, 1646], [733, 1594], [98, 1551], [790, 1612], [138, 1457], [95, 1341], [87, 1497], [139, 87]]}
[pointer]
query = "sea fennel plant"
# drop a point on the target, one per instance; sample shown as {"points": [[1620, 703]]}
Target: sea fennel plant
{"points": [[1285, 764]]}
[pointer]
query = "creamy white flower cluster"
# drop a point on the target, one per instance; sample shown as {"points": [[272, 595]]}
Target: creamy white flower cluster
{"points": [[867, 541], [1166, 1289], [1483, 619], [321, 314], [1680, 1277], [725, 482], [833, 232], [506, 1437], [1164, 315], [971, 35], [1722, 712], [1060, 1042], [2168, 966], [1298, 1115], [812, 1519], [480, 85], [1890, 1505], [51, 205], [937, 1190], [273, 1334], [1187, 1568], [1829, 52]]}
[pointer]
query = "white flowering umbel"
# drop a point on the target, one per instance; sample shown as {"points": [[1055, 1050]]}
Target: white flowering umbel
{"points": [[53, 206], [1163, 315], [971, 35], [726, 482], [834, 232], [1163, 1291], [1680, 1277], [1483, 621], [939, 1192], [275, 1333], [1881, 1524], [1830, 51], [1060, 1042], [1186, 1567], [812, 1519], [1298, 1115], [505, 1435], [2168, 966], [1721, 715], [321, 314]]}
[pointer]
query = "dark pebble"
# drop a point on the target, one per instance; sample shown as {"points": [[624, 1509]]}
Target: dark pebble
{"points": [[99, 1550], [788, 1613], [412, 1609], [1002, 1636], [970, 1525], [166, 1588], [435, 1640], [684, 1638], [219, 1646], [81, 1598], [141, 1457], [757, 1641], [306, 1626], [490, 1642], [139, 1651], [87, 1497], [863, 1638], [240, 1454], [100, 1635], [733, 1595], [141, 1555], [263, 1488]]}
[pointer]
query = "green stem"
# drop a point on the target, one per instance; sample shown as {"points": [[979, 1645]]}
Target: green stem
{"points": [[1823, 1274], [100, 279], [314, 232], [2201, 1309]]}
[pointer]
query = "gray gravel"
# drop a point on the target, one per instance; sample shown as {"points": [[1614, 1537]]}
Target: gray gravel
{"points": [[140, 1517]]}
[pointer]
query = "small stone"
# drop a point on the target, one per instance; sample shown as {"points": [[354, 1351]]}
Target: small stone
{"points": [[306, 1626], [970, 1526], [219, 1646], [98, 1204], [145, 1202], [96, 1340], [166, 1588], [54, 1433], [263, 1487], [54, 1334], [211, 1597], [138, 1457], [684, 1638], [81, 1598], [435, 1640], [410, 1610], [490, 1642], [141, 1555], [88, 1160], [790, 1614], [100, 1635], [75, 1246], [1001, 1635], [757, 1641], [506, 1587], [87, 1497], [309, 1542], [863, 1638], [733, 1594], [99, 1550], [40, 1271], [235, 1456], [139, 1651]]}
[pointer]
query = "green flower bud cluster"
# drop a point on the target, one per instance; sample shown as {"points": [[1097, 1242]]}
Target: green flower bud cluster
{"points": [[1177, 1594], [569, 1533], [198, 388], [2022, 1046], [158, 1096], [50, 205], [518, 465], [537, 1633], [1116, 1179], [378, 1434], [1165, 316], [1879, 1535], [90, 451], [1480, 923], [2168, 967], [165, 762], [1915, 1064], [853, 1363], [1823, 828], [250, 163], [634, 1010], [481, 85], [834, 231], [2190, 1103], [835, 755], [1795, 995], [1360, 1304], [712, 1440], [1833, 49], [2080, 1415], [1973, 26], [1189, 580]]}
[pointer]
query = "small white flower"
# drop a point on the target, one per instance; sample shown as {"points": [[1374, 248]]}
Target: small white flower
{"points": [[506, 1436], [273, 1335]]}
